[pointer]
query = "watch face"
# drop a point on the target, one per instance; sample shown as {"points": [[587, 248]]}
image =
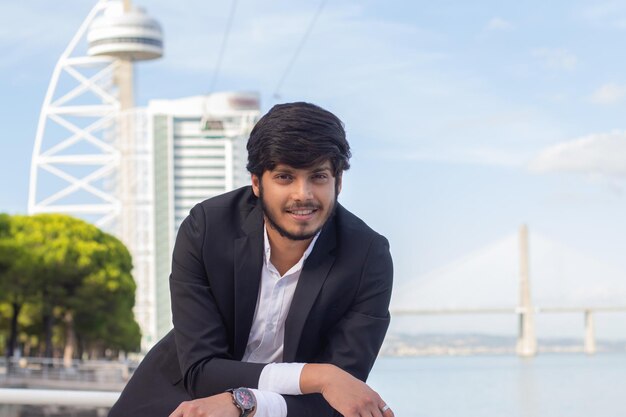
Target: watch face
{"points": [[244, 398]]}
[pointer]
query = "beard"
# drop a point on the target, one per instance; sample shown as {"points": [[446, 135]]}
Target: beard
{"points": [[287, 234]]}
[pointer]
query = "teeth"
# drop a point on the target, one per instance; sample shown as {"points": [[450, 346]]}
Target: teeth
{"points": [[302, 212]]}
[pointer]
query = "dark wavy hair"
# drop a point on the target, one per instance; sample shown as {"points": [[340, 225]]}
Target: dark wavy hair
{"points": [[300, 135]]}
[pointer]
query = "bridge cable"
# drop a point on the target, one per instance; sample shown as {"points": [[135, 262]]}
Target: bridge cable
{"points": [[298, 49], [223, 46]]}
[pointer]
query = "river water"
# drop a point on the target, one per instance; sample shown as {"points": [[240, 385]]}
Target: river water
{"points": [[549, 385]]}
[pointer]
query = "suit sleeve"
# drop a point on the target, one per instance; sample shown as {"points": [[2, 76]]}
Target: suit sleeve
{"points": [[202, 345], [354, 342]]}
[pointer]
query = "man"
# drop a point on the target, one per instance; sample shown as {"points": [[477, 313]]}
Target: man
{"points": [[280, 296]]}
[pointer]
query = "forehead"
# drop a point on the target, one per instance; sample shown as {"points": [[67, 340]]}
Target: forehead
{"points": [[322, 166]]}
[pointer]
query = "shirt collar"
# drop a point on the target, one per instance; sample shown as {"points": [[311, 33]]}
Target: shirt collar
{"points": [[268, 251]]}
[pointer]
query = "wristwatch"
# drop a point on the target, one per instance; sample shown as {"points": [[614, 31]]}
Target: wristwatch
{"points": [[244, 399]]}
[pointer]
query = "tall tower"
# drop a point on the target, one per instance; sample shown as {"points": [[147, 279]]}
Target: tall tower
{"points": [[527, 341], [86, 160], [199, 151]]}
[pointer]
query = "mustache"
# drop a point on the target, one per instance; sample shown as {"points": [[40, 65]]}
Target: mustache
{"points": [[303, 206]]}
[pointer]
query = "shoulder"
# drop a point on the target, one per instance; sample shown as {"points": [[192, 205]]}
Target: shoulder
{"points": [[240, 199], [351, 227], [363, 255], [354, 233], [229, 210]]}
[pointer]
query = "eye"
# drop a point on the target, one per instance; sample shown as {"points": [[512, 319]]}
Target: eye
{"points": [[283, 178], [320, 177]]}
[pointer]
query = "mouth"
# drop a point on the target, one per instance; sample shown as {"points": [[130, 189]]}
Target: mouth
{"points": [[300, 213]]}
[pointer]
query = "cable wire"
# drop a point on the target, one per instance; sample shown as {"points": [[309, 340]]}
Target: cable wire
{"points": [[298, 49], [223, 47]]}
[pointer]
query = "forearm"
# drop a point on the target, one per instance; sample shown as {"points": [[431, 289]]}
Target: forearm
{"points": [[315, 376]]}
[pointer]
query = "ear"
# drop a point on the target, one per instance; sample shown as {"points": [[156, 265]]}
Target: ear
{"points": [[255, 185], [339, 182]]}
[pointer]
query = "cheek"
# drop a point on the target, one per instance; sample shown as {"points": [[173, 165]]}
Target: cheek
{"points": [[327, 199], [275, 202]]}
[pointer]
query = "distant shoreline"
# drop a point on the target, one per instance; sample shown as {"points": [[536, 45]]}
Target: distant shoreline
{"points": [[471, 344]]}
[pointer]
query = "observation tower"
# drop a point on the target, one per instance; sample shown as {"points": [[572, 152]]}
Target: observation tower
{"points": [[88, 160]]}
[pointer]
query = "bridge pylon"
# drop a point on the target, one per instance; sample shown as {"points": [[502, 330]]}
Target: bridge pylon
{"points": [[527, 339], [590, 337]]}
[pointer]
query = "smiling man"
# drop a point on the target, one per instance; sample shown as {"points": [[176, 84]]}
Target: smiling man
{"points": [[280, 295]]}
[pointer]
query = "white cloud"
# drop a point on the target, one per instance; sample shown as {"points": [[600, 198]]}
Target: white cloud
{"points": [[605, 14], [498, 23], [599, 154], [601, 10], [556, 58], [608, 94]]}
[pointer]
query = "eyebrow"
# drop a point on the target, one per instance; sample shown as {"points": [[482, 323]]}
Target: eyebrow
{"points": [[321, 169], [283, 168], [289, 170]]}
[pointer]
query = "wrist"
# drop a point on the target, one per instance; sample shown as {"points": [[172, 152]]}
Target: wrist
{"points": [[315, 377], [228, 399]]}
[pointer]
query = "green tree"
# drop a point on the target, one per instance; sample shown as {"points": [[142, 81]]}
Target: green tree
{"points": [[74, 272], [102, 308], [6, 263], [59, 248], [18, 273]]}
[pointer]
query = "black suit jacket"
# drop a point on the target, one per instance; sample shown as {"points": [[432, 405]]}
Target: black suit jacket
{"points": [[339, 313]]}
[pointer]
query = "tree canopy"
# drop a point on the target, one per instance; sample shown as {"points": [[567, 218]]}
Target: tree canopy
{"points": [[75, 277]]}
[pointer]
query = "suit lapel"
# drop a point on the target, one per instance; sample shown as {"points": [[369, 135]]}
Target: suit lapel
{"points": [[313, 275], [248, 264]]}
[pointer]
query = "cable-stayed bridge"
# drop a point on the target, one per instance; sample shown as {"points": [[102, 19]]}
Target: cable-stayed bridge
{"points": [[503, 287]]}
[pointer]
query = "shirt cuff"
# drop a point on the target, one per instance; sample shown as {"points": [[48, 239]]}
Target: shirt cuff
{"points": [[269, 404], [282, 378]]}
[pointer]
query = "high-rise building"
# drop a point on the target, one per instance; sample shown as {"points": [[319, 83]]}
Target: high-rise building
{"points": [[199, 151]]}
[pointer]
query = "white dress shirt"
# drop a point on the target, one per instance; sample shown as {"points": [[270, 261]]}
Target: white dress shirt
{"points": [[267, 335]]}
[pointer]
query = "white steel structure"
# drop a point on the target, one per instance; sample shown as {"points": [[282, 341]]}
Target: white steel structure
{"points": [[87, 160], [199, 151]]}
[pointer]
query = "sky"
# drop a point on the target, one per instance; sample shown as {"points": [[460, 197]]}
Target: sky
{"points": [[466, 120]]}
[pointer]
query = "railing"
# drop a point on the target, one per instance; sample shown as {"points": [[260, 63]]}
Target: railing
{"points": [[54, 374], [95, 399], [52, 387]]}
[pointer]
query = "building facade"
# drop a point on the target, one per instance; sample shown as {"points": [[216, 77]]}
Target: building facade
{"points": [[199, 151]]}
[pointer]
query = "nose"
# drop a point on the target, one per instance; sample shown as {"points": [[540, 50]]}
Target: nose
{"points": [[302, 190]]}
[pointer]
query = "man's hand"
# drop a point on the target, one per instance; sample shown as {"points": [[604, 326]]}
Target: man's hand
{"points": [[220, 405], [348, 395]]}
